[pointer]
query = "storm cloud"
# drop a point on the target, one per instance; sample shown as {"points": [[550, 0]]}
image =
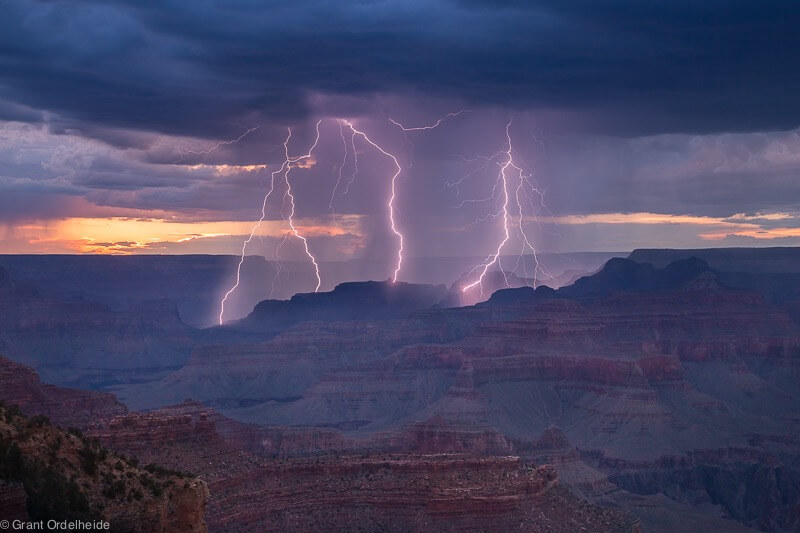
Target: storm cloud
{"points": [[627, 67], [622, 108]]}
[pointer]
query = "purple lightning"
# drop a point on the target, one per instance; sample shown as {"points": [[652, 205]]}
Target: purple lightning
{"points": [[355, 162], [291, 199], [512, 188], [341, 167], [495, 258], [430, 126], [508, 171], [283, 171], [248, 240], [392, 196], [220, 144]]}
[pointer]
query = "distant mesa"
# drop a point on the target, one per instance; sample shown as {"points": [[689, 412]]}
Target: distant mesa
{"points": [[521, 294], [619, 275], [358, 300], [496, 280], [772, 272], [196, 283], [384, 300], [754, 260]]}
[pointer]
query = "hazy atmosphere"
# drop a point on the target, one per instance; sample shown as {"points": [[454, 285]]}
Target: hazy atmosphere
{"points": [[132, 127], [400, 266]]}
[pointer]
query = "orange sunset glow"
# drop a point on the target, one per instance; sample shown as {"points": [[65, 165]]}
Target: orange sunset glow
{"points": [[121, 235]]}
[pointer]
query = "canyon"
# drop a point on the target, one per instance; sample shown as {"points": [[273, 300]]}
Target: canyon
{"points": [[304, 489], [661, 396]]}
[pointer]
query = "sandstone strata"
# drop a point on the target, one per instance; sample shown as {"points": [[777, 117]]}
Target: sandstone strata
{"points": [[411, 493], [68, 476], [21, 386]]}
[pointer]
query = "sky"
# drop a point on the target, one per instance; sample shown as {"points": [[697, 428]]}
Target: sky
{"points": [[156, 127]]}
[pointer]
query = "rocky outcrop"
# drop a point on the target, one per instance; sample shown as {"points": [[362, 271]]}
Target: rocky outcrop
{"points": [[21, 386], [140, 431], [774, 273], [403, 493], [626, 275], [756, 260], [334, 491], [192, 422], [68, 476], [181, 437], [331, 490], [367, 300], [439, 435]]}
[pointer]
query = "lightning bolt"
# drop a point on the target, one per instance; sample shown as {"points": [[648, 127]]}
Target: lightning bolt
{"points": [[430, 126], [293, 161], [276, 258], [512, 186], [457, 183], [355, 162], [185, 151], [283, 171], [508, 170], [247, 241], [392, 196], [341, 167]]}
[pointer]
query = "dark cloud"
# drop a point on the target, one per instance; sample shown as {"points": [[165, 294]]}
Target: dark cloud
{"points": [[709, 175], [628, 66], [126, 108], [19, 113]]}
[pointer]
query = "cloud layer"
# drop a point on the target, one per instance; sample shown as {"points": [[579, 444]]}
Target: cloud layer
{"points": [[625, 65], [128, 110]]}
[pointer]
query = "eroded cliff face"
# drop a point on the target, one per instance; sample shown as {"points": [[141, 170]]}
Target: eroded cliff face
{"points": [[182, 437], [628, 378], [410, 493], [311, 479], [644, 389], [366, 300], [73, 341], [21, 386], [634, 348], [634, 360], [187, 436], [436, 435], [235, 375], [111, 487], [66, 475]]}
